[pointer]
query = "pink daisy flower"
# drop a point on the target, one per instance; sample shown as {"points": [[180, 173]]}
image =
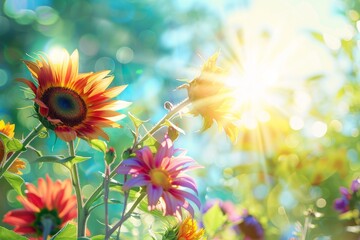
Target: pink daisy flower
{"points": [[163, 176]]}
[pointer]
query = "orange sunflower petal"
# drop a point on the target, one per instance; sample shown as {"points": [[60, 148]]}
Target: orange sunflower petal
{"points": [[65, 133]]}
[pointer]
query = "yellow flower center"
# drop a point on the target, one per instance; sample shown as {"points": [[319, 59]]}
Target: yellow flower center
{"points": [[65, 104], [160, 177]]}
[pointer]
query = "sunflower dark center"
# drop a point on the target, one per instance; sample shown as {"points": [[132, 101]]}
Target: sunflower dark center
{"points": [[47, 220], [65, 104]]}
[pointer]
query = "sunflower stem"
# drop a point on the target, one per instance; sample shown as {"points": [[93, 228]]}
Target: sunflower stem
{"points": [[176, 109], [27, 140], [125, 217], [76, 183]]}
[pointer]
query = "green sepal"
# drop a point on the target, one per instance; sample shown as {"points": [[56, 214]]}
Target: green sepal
{"points": [[15, 182], [98, 145]]}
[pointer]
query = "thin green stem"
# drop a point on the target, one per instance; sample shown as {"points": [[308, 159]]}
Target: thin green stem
{"points": [[126, 216], [77, 187], [27, 140], [176, 109], [106, 196], [306, 227]]}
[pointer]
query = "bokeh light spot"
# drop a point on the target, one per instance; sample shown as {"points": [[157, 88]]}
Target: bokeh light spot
{"points": [[105, 63], [287, 200], [25, 17], [89, 44], [3, 78], [321, 203], [319, 129], [124, 55], [46, 15], [11, 196], [87, 190], [296, 123]]}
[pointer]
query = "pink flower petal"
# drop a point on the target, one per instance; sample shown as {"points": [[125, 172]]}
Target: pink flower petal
{"points": [[128, 164], [183, 194], [171, 203], [154, 194], [180, 163], [146, 156], [185, 181], [138, 181], [166, 150]]}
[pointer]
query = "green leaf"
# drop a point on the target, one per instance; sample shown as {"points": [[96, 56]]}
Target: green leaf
{"points": [[11, 144], [78, 159], [14, 145], [68, 161], [68, 232], [318, 36], [315, 77], [98, 237], [10, 235], [15, 182], [152, 143], [170, 124], [52, 158], [114, 201], [136, 121], [98, 145], [213, 219]]}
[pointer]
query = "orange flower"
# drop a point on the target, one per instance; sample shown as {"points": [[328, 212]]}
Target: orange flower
{"points": [[212, 99], [188, 230], [73, 104], [47, 207], [185, 230], [8, 130]]}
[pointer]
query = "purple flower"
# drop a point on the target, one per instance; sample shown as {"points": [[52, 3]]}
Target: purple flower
{"points": [[355, 185], [251, 228], [342, 204]]}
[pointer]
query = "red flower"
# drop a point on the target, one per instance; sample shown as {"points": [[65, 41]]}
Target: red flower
{"points": [[47, 208]]}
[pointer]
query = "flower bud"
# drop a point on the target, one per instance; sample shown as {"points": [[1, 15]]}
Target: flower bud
{"points": [[110, 155]]}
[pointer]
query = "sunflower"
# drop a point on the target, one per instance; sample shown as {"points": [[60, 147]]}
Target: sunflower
{"points": [[212, 99], [9, 131], [73, 104], [47, 208]]}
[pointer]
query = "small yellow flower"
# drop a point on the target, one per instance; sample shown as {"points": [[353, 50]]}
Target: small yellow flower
{"points": [[212, 99], [8, 130], [188, 230]]}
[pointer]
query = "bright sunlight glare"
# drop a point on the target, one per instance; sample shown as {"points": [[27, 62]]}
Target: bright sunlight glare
{"points": [[56, 54]]}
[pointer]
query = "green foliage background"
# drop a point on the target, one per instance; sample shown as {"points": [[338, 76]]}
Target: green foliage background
{"points": [[148, 45]]}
